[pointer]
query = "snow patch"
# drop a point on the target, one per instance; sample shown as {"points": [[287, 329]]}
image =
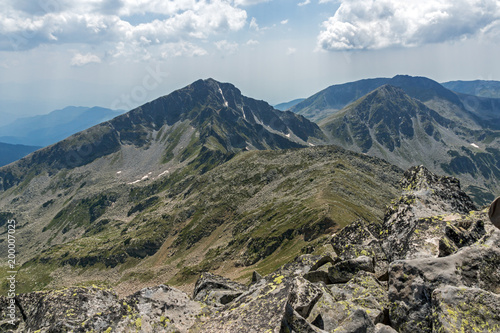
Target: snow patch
{"points": [[474, 145], [118, 172], [163, 173], [287, 135], [226, 104], [140, 180], [311, 144]]}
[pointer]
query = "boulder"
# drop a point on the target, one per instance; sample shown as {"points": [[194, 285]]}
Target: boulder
{"points": [[273, 302], [345, 270], [412, 282], [163, 308], [461, 309], [381, 328], [317, 276], [305, 263], [357, 322], [216, 290], [361, 238], [362, 292]]}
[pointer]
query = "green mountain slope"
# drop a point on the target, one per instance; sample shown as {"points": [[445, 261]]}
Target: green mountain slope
{"points": [[260, 209]]}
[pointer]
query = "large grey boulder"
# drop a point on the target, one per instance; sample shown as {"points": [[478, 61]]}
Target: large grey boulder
{"points": [[412, 282], [216, 290], [273, 303], [363, 292], [345, 270], [461, 309]]}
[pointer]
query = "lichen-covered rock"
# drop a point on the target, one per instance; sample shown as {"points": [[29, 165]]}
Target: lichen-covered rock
{"points": [[265, 307], [305, 263], [152, 310], [357, 239], [216, 290], [68, 309], [345, 270], [362, 292], [164, 308], [415, 222], [366, 292], [358, 322], [412, 282], [361, 238], [317, 276], [461, 309], [381, 328]]}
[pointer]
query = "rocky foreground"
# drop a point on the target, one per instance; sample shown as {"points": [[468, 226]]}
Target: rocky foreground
{"points": [[432, 266]]}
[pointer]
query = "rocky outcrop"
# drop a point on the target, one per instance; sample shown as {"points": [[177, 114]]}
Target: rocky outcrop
{"points": [[216, 290], [93, 309], [431, 266]]}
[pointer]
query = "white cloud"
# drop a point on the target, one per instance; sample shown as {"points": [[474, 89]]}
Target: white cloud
{"points": [[253, 24], [305, 2], [226, 47], [181, 49], [375, 24], [24, 26], [253, 42], [248, 2], [291, 50], [284, 21], [80, 60]]}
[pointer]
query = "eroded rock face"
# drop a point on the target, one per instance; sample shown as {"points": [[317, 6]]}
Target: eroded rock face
{"points": [[433, 265]]}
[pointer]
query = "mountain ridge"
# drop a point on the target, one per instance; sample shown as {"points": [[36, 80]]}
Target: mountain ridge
{"points": [[201, 105], [390, 124]]}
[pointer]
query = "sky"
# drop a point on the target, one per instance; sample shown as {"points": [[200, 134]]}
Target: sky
{"points": [[123, 53]]}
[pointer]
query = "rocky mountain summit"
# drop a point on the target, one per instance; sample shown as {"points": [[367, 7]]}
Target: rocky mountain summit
{"points": [[431, 266]]}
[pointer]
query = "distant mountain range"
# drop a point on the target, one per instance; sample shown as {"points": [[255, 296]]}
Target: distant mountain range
{"points": [[44, 130], [10, 153], [479, 88], [288, 105]]}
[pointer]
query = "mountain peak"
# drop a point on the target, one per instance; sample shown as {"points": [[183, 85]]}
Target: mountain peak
{"points": [[424, 89], [204, 123]]}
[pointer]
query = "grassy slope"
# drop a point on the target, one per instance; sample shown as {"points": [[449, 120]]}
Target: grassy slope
{"points": [[257, 211]]}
